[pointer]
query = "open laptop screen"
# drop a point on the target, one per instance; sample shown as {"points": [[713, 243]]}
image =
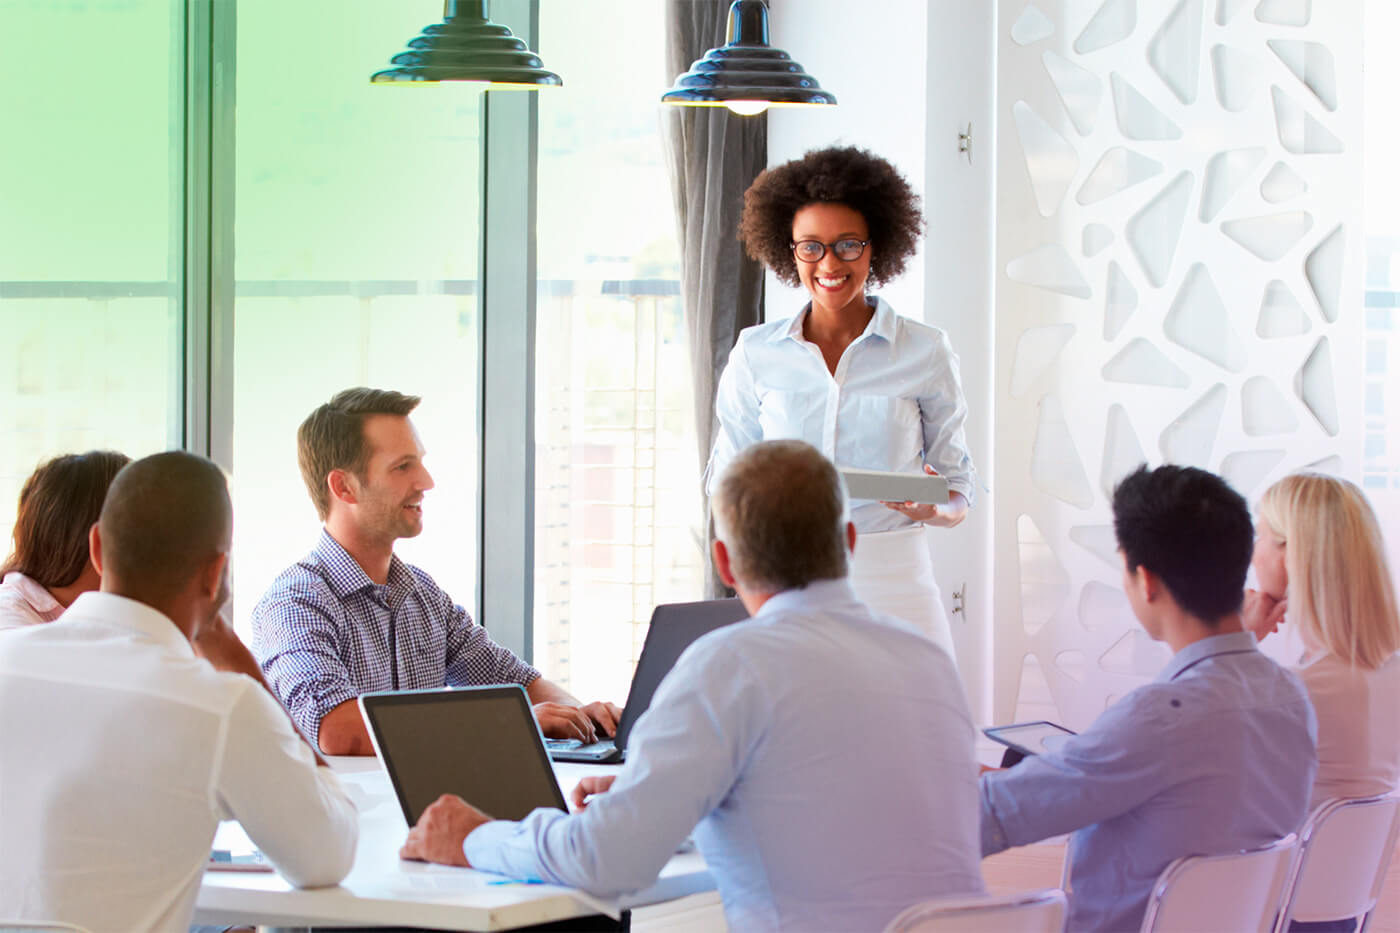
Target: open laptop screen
{"points": [[480, 743]]}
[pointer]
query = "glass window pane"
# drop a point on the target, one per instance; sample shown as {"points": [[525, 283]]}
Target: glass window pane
{"points": [[357, 251], [90, 222], [617, 501]]}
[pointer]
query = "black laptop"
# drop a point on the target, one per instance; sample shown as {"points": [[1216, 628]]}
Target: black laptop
{"points": [[430, 743], [673, 627]]}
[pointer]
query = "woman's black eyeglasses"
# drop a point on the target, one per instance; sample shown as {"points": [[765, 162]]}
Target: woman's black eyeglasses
{"points": [[846, 250]]}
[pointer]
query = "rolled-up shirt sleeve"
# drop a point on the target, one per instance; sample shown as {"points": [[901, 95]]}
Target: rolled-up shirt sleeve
{"points": [[682, 760], [296, 813], [736, 411], [296, 642], [943, 412]]}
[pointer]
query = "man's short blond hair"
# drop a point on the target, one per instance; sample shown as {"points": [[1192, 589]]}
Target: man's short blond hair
{"points": [[780, 510]]}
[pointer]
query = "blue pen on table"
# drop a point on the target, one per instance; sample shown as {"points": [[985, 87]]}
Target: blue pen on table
{"points": [[514, 881]]}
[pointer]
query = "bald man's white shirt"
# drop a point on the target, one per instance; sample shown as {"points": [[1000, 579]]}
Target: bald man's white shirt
{"points": [[122, 753]]}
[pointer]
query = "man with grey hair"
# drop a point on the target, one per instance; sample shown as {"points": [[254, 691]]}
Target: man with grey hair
{"points": [[820, 753]]}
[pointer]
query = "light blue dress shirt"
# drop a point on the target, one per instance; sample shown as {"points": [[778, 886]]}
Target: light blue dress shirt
{"points": [[894, 403], [1216, 755], [821, 754]]}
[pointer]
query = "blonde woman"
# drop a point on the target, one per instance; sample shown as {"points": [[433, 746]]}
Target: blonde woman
{"points": [[1319, 558]]}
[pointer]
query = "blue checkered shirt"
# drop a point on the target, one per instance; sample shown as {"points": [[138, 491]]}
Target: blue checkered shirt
{"points": [[321, 634]]}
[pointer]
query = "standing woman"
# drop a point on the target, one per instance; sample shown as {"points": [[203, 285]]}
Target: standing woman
{"points": [[50, 566], [1319, 558], [869, 388]]}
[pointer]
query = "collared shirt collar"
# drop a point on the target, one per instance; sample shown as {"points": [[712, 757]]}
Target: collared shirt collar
{"points": [[882, 323], [346, 576], [130, 614], [1229, 643], [34, 593], [822, 594]]}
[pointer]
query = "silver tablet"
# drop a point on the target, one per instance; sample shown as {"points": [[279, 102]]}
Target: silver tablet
{"points": [[895, 487]]}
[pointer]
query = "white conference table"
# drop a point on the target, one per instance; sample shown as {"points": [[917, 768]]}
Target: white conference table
{"points": [[382, 890]]}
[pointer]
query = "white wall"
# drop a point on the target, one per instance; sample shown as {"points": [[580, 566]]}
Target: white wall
{"points": [[906, 84]]}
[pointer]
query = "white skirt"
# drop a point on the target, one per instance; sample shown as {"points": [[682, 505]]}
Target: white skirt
{"points": [[892, 572]]}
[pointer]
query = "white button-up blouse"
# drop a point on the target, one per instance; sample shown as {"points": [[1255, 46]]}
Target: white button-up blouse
{"points": [[894, 403]]}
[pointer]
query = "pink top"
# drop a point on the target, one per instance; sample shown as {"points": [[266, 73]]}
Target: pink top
{"points": [[25, 602], [1358, 726]]}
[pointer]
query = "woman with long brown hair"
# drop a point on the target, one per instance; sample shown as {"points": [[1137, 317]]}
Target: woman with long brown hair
{"points": [[50, 566]]}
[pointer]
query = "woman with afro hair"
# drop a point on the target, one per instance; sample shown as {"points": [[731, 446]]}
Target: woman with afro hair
{"points": [[869, 388]]}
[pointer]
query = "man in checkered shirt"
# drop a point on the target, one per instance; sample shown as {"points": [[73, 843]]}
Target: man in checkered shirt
{"points": [[351, 618]]}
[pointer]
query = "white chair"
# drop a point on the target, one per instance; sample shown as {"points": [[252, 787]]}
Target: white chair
{"points": [[1027, 912], [1344, 852], [1239, 892]]}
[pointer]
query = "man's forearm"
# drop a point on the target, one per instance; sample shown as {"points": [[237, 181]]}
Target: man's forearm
{"points": [[542, 690], [343, 731]]}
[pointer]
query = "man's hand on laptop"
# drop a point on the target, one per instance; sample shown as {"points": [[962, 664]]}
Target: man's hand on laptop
{"points": [[440, 831], [605, 716], [563, 721], [591, 787]]}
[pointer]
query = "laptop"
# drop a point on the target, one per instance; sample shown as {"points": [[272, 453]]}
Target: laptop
{"points": [[480, 743], [673, 627]]}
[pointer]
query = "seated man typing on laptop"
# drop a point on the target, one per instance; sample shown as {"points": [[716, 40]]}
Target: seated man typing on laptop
{"points": [[821, 753], [351, 617], [1216, 755]]}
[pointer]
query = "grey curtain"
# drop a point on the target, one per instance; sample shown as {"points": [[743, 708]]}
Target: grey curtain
{"points": [[713, 155]]}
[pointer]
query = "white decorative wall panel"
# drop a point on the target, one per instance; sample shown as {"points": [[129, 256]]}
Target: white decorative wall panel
{"points": [[1177, 281]]}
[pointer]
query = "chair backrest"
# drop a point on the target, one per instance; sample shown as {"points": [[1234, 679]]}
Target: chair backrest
{"points": [[1027, 912], [1344, 852], [1241, 891]]}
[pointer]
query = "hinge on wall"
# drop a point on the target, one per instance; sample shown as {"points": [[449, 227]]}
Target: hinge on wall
{"points": [[960, 598]]}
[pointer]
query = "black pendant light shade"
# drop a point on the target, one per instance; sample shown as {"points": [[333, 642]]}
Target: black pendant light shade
{"points": [[467, 46], [746, 74]]}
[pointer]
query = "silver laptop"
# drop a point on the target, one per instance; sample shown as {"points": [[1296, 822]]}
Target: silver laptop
{"points": [[673, 627]]}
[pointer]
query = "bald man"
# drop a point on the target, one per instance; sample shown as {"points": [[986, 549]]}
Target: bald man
{"points": [[138, 721]]}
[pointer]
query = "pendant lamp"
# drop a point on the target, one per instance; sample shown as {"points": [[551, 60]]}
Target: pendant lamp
{"points": [[746, 74], [467, 46]]}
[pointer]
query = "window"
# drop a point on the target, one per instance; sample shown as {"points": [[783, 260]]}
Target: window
{"points": [[357, 225], [617, 504], [90, 243]]}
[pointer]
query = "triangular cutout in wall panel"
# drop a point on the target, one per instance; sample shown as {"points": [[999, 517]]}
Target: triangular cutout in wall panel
{"points": [[1280, 314], [1282, 184], [1175, 52], [1154, 232], [1080, 91], [1049, 267], [1051, 160], [1118, 170], [1312, 63], [1239, 79], [1114, 22], [1189, 439], [1199, 322], [1139, 118], [1140, 363], [1031, 26], [1226, 174]]}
